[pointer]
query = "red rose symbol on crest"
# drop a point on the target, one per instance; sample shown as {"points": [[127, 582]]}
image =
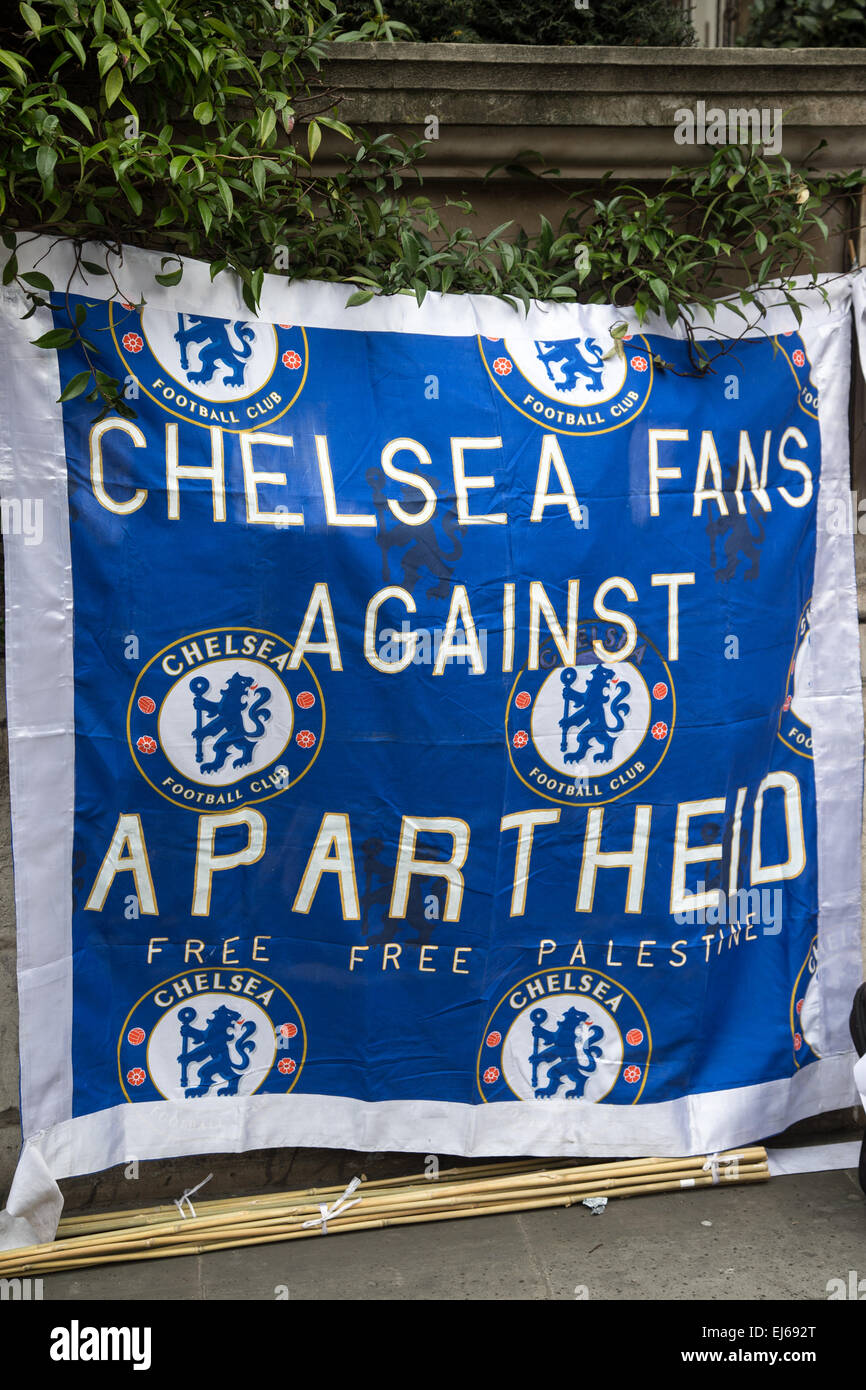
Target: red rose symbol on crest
{"points": [[145, 704], [491, 1075], [306, 699], [284, 325], [660, 690], [288, 1030], [305, 739], [502, 366], [798, 1042], [286, 1065], [799, 1005], [787, 704], [660, 730], [639, 364], [631, 1075], [146, 744], [634, 1037], [523, 699], [133, 342], [136, 1077], [521, 738], [799, 358], [135, 1036], [292, 360], [493, 1039]]}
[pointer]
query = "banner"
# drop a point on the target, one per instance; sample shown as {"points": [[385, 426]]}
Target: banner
{"points": [[431, 728]]}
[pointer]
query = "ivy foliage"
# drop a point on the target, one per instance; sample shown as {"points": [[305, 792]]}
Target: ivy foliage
{"points": [[806, 24], [196, 130], [658, 23]]}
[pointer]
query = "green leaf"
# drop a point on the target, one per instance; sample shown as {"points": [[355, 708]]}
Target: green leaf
{"points": [[46, 158], [31, 18], [10, 269], [107, 58], [267, 123], [226, 194], [113, 86], [203, 113], [10, 61], [314, 138], [37, 280], [359, 297], [55, 338], [76, 45], [75, 387]]}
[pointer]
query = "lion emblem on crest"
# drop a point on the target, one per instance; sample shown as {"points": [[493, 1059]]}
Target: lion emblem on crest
{"points": [[211, 336], [573, 363], [227, 726], [213, 1052], [589, 713], [572, 1052]]}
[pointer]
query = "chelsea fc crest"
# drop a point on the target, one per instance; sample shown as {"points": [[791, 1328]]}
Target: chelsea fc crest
{"points": [[225, 718], [805, 1010], [567, 1035], [795, 718], [592, 732], [211, 1033], [569, 384], [212, 371]]}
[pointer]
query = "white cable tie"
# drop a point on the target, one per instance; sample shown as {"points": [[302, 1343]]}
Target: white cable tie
{"points": [[179, 1201], [711, 1164], [341, 1205]]}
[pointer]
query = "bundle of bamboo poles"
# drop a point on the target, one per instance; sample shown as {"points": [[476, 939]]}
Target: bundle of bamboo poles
{"points": [[484, 1190]]}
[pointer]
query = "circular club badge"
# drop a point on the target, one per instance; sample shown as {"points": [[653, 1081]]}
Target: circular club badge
{"points": [[795, 717], [566, 1035], [568, 384], [593, 732], [214, 372], [794, 352], [805, 1017], [220, 720], [211, 1033]]}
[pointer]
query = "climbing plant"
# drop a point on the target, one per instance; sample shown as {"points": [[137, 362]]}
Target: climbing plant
{"points": [[197, 131]]}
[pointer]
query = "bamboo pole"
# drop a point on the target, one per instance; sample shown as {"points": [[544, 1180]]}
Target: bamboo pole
{"points": [[74, 1226], [759, 1173], [596, 1177], [449, 1197], [437, 1202]]}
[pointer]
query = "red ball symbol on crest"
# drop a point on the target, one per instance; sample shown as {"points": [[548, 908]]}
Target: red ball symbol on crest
{"points": [[291, 360], [491, 1075], [305, 739], [493, 1039], [132, 342], [634, 1037], [523, 699], [305, 700], [146, 744], [288, 1030], [631, 1075], [136, 1077], [639, 364], [660, 730], [145, 704], [135, 1036], [502, 366], [521, 738], [286, 1065], [660, 690]]}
